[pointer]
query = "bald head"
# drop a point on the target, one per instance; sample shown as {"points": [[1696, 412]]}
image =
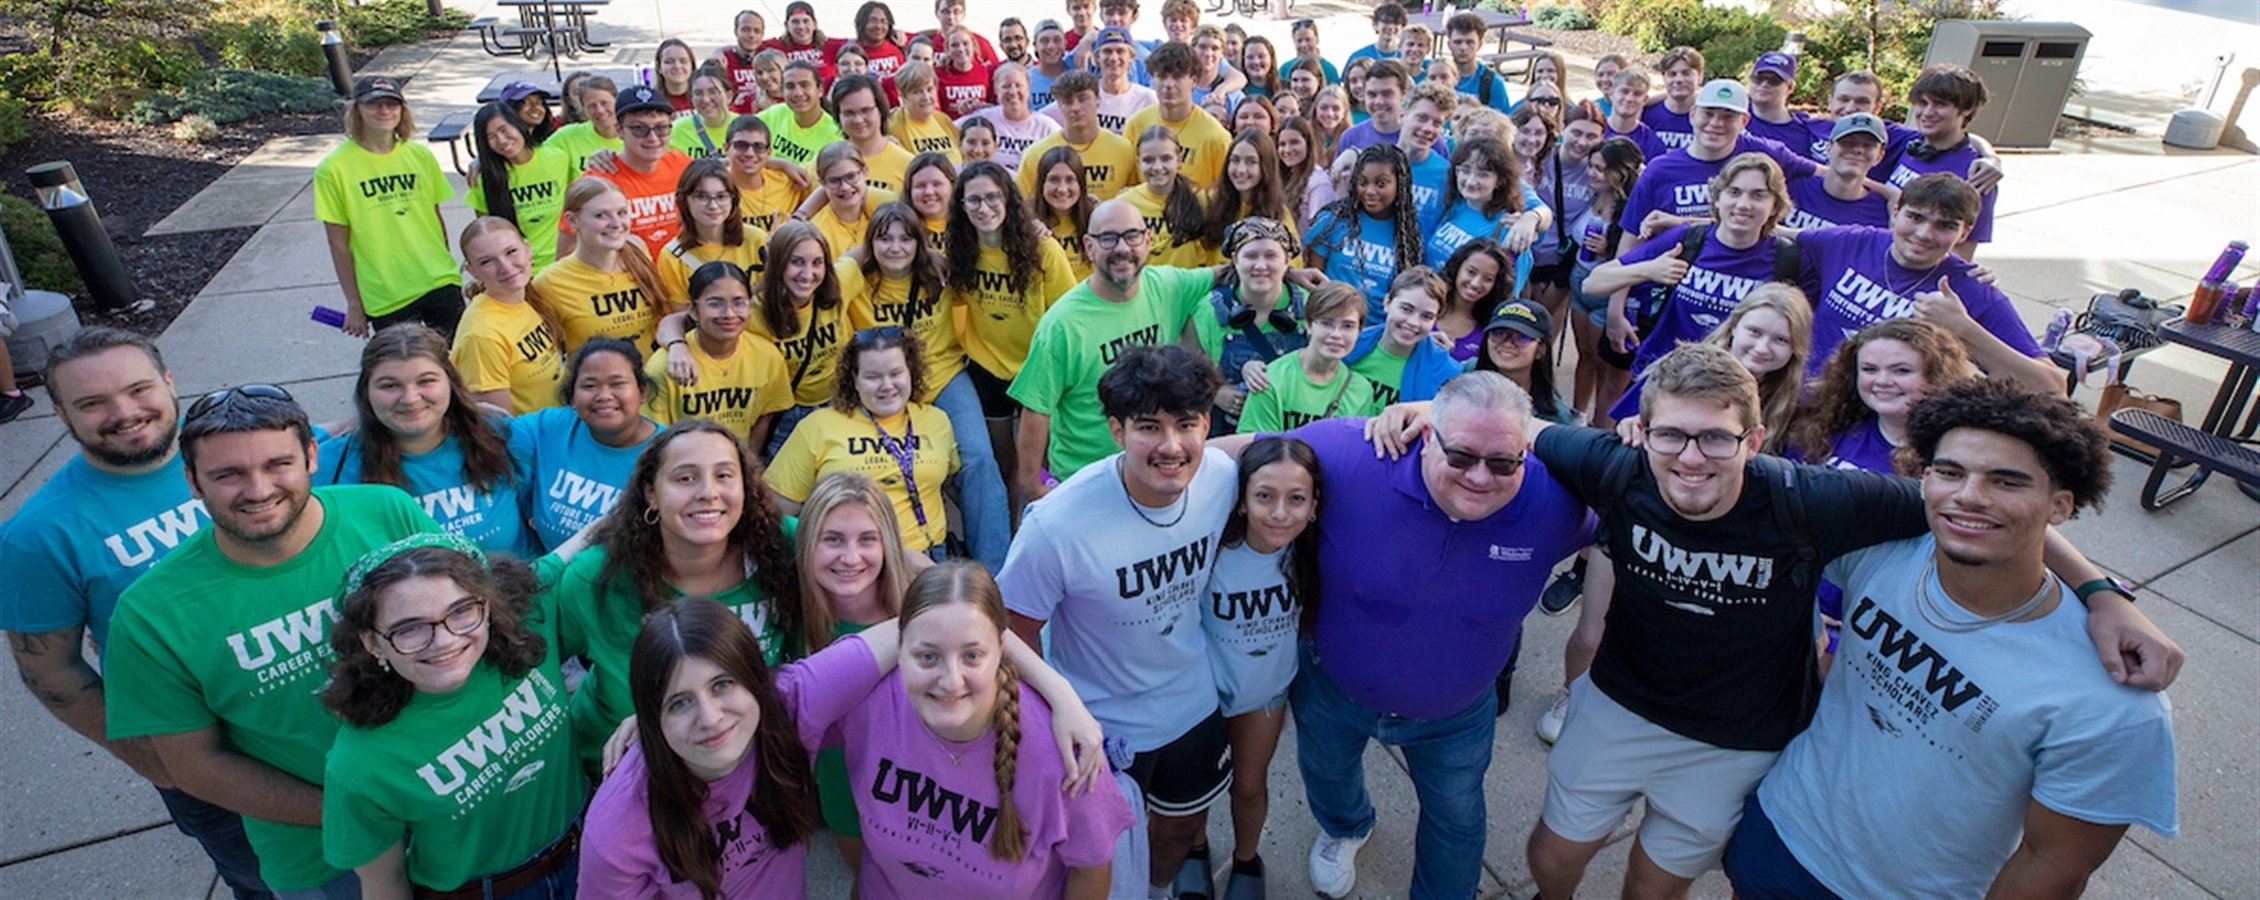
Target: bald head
{"points": [[1116, 243]]}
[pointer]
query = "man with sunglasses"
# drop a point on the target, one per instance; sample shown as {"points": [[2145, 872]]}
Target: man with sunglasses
{"points": [[219, 651], [645, 168]]}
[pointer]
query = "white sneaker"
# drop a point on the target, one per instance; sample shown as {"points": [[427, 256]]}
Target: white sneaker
{"points": [[1334, 864], [1550, 724]]}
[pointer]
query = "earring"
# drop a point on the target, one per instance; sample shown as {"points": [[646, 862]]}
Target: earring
{"points": [[651, 515], [384, 664]]}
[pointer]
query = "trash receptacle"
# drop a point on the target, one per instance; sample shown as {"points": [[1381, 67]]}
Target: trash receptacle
{"points": [[44, 319], [80, 228], [2027, 67]]}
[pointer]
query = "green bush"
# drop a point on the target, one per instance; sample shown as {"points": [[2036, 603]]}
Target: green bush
{"points": [[1901, 33], [379, 22], [46, 266], [266, 44], [1562, 18], [15, 120], [1730, 37], [233, 95], [100, 57]]}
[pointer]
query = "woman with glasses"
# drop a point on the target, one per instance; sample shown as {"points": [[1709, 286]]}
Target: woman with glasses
{"points": [[437, 640], [581, 453], [378, 196], [714, 229], [876, 426], [1009, 273], [703, 132], [845, 197], [511, 167], [1517, 342], [420, 431], [737, 380]]}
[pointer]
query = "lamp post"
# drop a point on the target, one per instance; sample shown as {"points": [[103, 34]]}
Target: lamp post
{"points": [[333, 48]]}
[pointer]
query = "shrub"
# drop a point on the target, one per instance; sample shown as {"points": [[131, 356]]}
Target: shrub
{"points": [[15, 120], [232, 95], [100, 56], [195, 129], [46, 266], [379, 22], [1901, 33], [1730, 37], [1562, 18]]}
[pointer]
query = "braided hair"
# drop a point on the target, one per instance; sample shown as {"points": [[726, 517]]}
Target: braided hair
{"points": [[960, 581], [1404, 216]]}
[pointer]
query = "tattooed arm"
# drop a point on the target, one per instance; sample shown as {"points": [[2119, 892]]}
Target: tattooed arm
{"points": [[57, 675]]}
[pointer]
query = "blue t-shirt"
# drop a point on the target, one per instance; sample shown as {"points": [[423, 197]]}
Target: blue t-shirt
{"points": [[1367, 259], [1681, 184], [577, 478], [1675, 130], [1426, 654], [1249, 614], [1718, 278], [1363, 135], [1815, 207], [1464, 223], [1287, 71], [1374, 52], [1905, 167], [1854, 282], [1471, 87], [1429, 177], [1039, 88], [493, 519], [1919, 726], [84, 536]]}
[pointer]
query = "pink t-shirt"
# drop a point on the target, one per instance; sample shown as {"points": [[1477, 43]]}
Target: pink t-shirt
{"points": [[620, 858], [927, 817]]}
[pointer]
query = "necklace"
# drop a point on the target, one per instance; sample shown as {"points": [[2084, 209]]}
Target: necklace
{"points": [[1182, 504], [1938, 609], [1892, 283]]}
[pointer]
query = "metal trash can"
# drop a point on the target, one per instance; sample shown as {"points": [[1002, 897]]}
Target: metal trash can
{"points": [[2027, 67], [80, 227], [44, 319]]}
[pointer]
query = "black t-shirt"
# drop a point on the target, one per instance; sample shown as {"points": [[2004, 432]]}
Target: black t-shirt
{"points": [[1708, 634]]}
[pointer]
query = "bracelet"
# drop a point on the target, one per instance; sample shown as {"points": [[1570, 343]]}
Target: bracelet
{"points": [[678, 341], [2100, 585]]}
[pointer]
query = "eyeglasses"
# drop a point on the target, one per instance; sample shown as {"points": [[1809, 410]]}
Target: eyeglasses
{"points": [[978, 200], [641, 132], [1500, 466], [1108, 240], [704, 197], [721, 305], [844, 179], [416, 637], [1546, 101], [748, 147], [1515, 337], [1712, 444], [219, 399], [883, 332]]}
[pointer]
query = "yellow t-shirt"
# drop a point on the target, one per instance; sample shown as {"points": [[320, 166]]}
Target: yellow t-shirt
{"points": [[773, 202], [831, 441], [937, 236], [507, 345], [935, 135], [684, 137], [1201, 141], [591, 303], [998, 324], [676, 264], [1166, 249], [844, 236], [1109, 163], [812, 354], [1071, 243], [389, 204], [888, 169], [879, 301], [736, 391]]}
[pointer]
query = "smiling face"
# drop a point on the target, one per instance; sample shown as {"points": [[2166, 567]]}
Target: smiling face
{"points": [[1258, 57], [844, 182], [255, 484], [1761, 342], [1012, 41], [930, 193], [1279, 504], [1849, 97], [894, 247], [599, 105], [500, 260], [1681, 80], [710, 96], [1377, 189], [1475, 492], [1852, 155], [1990, 499], [876, 28], [382, 114], [1407, 320], [1252, 115], [748, 30], [429, 600], [1922, 238], [1243, 165], [1336, 336], [644, 135], [748, 152], [708, 718], [1329, 111], [1530, 138], [118, 407], [606, 394], [984, 203], [1293, 149], [1160, 454], [700, 490], [1511, 351], [1114, 63], [410, 397], [676, 63], [977, 144], [800, 27], [882, 381], [1605, 75], [859, 117], [1477, 276], [801, 92], [949, 663], [1302, 82], [1475, 179], [805, 267], [959, 46], [1423, 124], [1939, 121], [722, 311], [1262, 266], [1698, 487], [503, 138], [1063, 188], [709, 202], [1743, 207], [1012, 93], [1580, 137], [1157, 162], [1627, 98], [850, 553], [1890, 379], [1383, 99], [1716, 129], [1051, 47]]}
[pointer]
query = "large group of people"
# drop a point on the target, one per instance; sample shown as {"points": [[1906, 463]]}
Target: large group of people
{"points": [[788, 432]]}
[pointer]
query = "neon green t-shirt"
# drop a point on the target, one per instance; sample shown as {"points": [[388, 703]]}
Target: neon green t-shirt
{"points": [[578, 142], [685, 137], [390, 203], [1386, 370], [1079, 337], [791, 142], [202, 641], [1293, 400], [537, 190]]}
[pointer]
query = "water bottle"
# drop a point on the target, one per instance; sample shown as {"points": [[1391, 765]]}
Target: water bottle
{"points": [[335, 318], [1118, 752], [2205, 304], [2057, 325]]}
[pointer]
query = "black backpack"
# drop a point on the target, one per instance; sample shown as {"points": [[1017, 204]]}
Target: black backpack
{"points": [[1787, 256]]}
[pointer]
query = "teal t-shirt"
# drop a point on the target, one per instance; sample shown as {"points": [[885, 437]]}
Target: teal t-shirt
{"points": [[202, 641], [85, 536], [537, 191], [494, 519], [576, 478], [1080, 336], [1360, 253]]}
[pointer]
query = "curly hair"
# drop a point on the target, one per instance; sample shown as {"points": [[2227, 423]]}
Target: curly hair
{"points": [[956, 582], [366, 694], [844, 396], [1495, 155], [2072, 448], [1023, 252], [1833, 405], [1227, 204], [635, 546], [486, 453], [1404, 216], [1502, 285]]}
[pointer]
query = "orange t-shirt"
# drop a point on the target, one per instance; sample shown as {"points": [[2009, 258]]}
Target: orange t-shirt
{"points": [[651, 198]]}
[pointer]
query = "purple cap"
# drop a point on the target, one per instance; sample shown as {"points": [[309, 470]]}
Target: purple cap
{"points": [[1113, 34], [519, 90], [1780, 64]]}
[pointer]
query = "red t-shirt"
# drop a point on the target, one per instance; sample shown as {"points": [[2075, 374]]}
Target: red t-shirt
{"points": [[820, 54], [742, 89], [963, 92], [885, 56], [984, 53]]}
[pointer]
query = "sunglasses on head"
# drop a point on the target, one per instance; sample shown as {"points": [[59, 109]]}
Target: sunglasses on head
{"points": [[219, 399]]}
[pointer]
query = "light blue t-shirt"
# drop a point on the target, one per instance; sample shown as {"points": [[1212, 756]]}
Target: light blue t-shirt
{"points": [[1039, 89], [576, 478], [1429, 176], [1249, 615], [1366, 259], [1929, 744], [1471, 87], [83, 537], [495, 519]]}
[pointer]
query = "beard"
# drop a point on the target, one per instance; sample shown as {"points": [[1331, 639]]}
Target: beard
{"points": [[131, 459], [226, 521]]}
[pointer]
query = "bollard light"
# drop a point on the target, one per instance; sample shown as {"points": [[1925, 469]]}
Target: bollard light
{"points": [[333, 48]]}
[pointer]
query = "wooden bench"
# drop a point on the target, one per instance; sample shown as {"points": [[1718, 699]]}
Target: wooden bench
{"points": [[455, 129], [2211, 453]]}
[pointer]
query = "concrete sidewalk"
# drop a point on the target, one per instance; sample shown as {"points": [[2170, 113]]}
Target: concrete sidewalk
{"points": [[2092, 217]]}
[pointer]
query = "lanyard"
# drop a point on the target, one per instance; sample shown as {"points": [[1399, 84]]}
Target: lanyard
{"points": [[900, 449]]}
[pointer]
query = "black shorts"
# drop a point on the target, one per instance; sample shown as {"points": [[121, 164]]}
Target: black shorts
{"points": [[1186, 775], [1555, 274], [1607, 352], [996, 403], [441, 308]]}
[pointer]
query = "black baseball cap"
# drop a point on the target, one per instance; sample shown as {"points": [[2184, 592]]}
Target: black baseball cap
{"points": [[641, 98]]}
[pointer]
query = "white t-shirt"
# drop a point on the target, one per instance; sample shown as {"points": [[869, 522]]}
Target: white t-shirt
{"points": [[1249, 616], [1929, 744], [1014, 138], [1123, 595]]}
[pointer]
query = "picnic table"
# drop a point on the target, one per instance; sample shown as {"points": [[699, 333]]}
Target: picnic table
{"points": [[2217, 445], [1500, 23], [561, 26]]}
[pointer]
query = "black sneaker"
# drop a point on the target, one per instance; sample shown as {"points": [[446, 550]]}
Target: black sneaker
{"points": [[11, 407], [1563, 593], [1195, 879]]}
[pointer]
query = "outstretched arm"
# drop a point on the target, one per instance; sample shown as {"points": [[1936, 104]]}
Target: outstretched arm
{"points": [[56, 673], [2133, 650]]}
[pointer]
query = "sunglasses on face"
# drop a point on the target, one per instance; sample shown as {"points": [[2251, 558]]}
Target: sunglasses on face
{"points": [[1500, 466]]}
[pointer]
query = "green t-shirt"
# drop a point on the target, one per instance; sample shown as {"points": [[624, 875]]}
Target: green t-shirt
{"points": [[537, 189], [476, 780], [790, 142], [1293, 400], [1080, 336], [578, 142], [389, 201], [685, 137], [203, 641], [598, 621], [1386, 370]]}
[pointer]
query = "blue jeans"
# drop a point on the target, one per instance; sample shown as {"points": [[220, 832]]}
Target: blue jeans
{"points": [[562, 884], [980, 485], [1447, 757], [220, 831]]}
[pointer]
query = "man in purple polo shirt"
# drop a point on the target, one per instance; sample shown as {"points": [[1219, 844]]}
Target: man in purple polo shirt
{"points": [[1427, 565], [1840, 194], [1676, 187]]}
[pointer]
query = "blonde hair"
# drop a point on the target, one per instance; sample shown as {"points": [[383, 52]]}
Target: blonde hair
{"points": [[357, 128], [485, 225], [914, 76], [818, 619], [1437, 92], [1776, 185], [633, 257], [1778, 389], [959, 582]]}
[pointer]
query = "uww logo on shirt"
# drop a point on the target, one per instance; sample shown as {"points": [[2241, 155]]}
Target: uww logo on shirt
{"points": [[910, 312], [652, 207], [403, 183], [930, 145], [1097, 174], [582, 492], [1675, 139], [490, 737], [1718, 569], [1143, 337], [537, 343], [817, 336], [448, 504], [998, 283], [1853, 290], [914, 791], [1941, 680], [1691, 199], [708, 403], [539, 190], [870, 446], [294, 630], [1112, 122], [1255, 604], [1159, 571], [1723, 290], [163, 531], [617, 302]]}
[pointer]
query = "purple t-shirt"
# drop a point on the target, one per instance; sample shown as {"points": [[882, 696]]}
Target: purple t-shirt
{"points": [[1817, 208], [1794, 134], [1644, 137], [1363, 135], [1905, 167], [1718, 278], [1681, 184], [1419, 612], [1854, 282], [1816, 144], [1675, 130], [1862, 447], [929, 807], [619, 857]]}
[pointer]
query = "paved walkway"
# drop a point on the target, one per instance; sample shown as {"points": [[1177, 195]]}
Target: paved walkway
{"points": [[2093, 216]]}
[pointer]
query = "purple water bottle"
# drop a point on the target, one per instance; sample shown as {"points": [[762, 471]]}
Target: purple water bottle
{"points": [[2057, 325], [2227, 262], [335, 318]]}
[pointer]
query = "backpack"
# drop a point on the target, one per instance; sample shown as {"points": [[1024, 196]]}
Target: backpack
{"points": [[1787, 256], [1783, 482]]}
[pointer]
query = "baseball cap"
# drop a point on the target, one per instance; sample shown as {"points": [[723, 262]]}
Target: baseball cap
{"points": [[376, 87], [1721, 93], [1778, 63], [800, 6], [1113, 34], [1860, 123], [1522, 317], [1049, 25], [520, 90], [640, 98]]}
